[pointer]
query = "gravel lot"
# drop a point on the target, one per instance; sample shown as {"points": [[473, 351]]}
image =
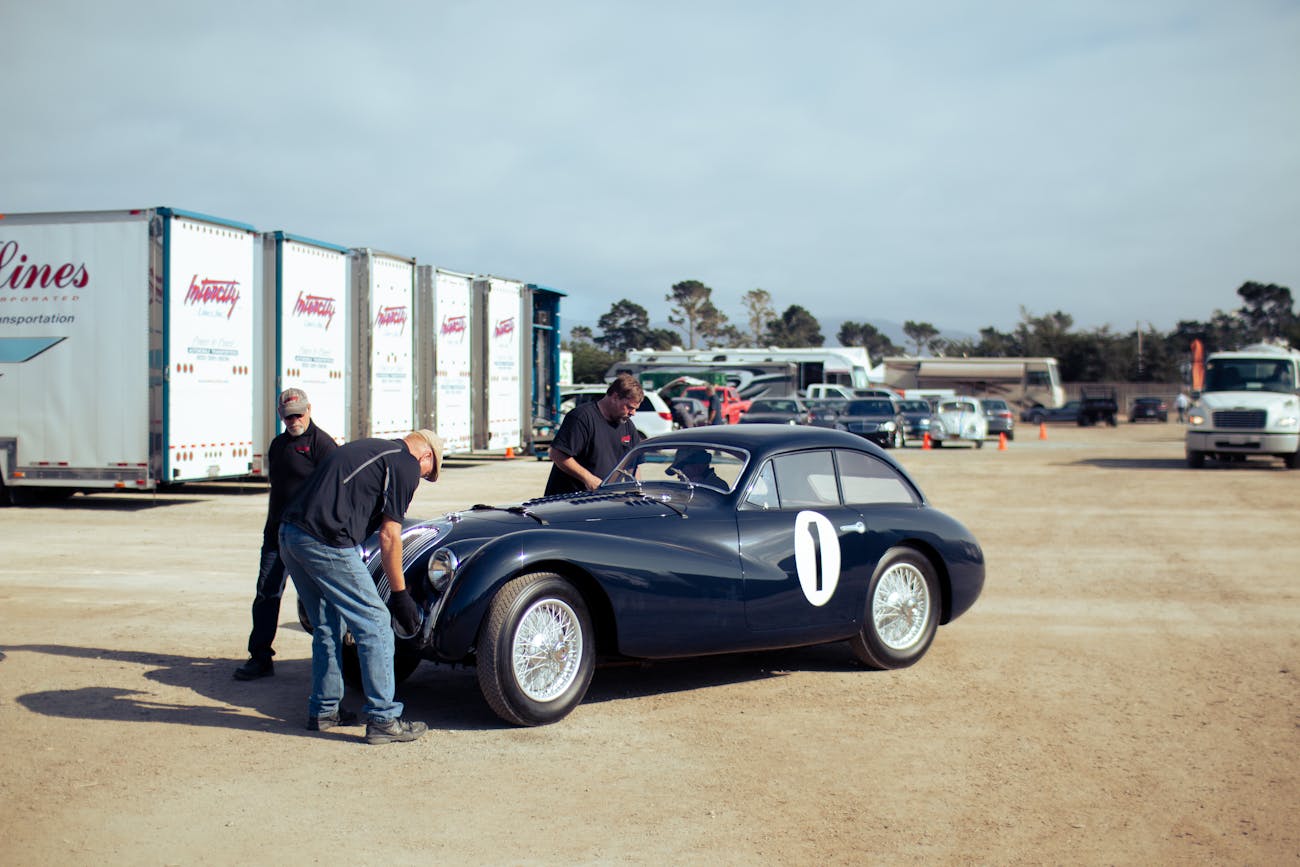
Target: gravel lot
{"points": [[1125, 692]]}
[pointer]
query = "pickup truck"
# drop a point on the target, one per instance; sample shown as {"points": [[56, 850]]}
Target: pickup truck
{"points": [[1098, 405]]}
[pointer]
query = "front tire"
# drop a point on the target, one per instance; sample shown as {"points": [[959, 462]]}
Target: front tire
{"points": [[536, 650], [405, 660], [902, 612], [1196, 460]]}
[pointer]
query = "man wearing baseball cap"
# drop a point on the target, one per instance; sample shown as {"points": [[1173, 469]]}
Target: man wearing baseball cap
{"points": [[363, 486], [290, 459]]}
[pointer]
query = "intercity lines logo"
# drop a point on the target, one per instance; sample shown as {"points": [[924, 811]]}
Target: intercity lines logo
{"points": [[315, 309], [213, 295], [19, 272], [391, 319], [454, 328]]}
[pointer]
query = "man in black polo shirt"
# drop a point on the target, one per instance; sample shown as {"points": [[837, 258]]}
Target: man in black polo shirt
{"points": [[594, 437], [365, 485], [290, 459]]}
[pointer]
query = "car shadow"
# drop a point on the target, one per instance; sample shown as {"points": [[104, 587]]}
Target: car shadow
{"points": [[443, 696], [1175, 464]]}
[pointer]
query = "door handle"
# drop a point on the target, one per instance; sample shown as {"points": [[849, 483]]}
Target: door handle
{"points": [[859, 527]]}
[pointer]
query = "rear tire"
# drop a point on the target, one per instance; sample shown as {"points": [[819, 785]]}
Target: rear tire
{"points": [[902, 612]]}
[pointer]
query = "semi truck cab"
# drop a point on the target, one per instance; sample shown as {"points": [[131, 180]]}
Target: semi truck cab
{"points": [[1249, 407]]}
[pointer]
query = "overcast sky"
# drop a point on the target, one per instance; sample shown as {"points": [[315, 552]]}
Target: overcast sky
{"points": [[950, 162]]}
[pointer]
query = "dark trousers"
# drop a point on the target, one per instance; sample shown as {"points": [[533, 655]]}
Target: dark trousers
{"points": [[266, 604]]}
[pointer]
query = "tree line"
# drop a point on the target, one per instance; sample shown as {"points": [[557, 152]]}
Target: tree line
{"points": [[1266, 313]]}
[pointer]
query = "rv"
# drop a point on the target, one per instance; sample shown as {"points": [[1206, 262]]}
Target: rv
{"points": [[1023, 382]]}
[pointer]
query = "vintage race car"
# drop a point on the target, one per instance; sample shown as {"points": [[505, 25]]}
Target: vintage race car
{"points": [[702, 541]]}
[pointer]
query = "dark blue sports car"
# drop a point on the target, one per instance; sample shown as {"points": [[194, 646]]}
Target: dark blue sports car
{"points": [[710, 540]]}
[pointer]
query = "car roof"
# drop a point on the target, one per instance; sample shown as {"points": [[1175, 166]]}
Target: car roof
{"points": [[762, 440]]}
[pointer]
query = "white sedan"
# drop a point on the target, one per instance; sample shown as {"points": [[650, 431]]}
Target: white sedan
{"points": [[957, 419]]}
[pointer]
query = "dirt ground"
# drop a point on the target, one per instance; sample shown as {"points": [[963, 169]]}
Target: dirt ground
{"points": [[1125, 692]]}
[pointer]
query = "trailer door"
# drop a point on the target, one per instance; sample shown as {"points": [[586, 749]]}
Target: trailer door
{"points": [[208, 348]]}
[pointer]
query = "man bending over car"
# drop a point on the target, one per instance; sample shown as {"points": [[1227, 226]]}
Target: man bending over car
{"points": [[362, 486]]}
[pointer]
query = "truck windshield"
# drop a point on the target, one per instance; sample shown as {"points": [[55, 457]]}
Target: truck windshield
{"points": [[1249, 374]]}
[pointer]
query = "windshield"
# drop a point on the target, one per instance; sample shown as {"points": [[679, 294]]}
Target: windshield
{"points": [[1249, 374], [956, 406], [683, 465]]}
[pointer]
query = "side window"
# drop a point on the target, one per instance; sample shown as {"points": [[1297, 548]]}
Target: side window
{"points": [[806, 479], [868, 480], [762, 494]]}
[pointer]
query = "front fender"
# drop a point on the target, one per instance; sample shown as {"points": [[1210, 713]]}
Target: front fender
{"points": [[665, 594]]}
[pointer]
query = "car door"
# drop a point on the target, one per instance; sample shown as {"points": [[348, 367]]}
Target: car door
{"points": [[801, 551]]}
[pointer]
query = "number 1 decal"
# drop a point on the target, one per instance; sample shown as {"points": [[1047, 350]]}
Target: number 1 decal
{"points": [[816, 556]]}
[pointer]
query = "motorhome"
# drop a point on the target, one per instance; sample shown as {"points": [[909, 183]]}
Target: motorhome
{"points": [[1023, 382]]}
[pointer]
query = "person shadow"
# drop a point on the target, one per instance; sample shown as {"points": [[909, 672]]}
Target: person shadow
{"points": [[229, 705]]}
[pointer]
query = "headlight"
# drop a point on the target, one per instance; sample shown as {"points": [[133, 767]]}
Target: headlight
{"points": [[442, 568], [1196, 417], [889, 425], [1287, 421]]}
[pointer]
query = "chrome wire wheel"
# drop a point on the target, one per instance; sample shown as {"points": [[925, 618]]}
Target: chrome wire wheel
{"points": [[900, 607], [547, 649]]}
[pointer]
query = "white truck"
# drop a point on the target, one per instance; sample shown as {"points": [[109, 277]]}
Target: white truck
{"points": [[126, 350], [1249, 406]]}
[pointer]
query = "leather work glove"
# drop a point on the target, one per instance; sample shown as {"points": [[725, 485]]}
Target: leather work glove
{"points": [[407, 618]]}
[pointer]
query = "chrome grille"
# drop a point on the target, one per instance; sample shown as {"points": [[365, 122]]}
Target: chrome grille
{"points": [[1241, 418]]}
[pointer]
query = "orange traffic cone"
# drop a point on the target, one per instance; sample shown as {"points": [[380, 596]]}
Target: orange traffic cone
{"points": [[1002, 441], [925, 442], [1042, 430], [510, 452]]}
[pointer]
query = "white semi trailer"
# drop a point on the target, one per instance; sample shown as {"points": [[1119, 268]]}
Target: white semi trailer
{"points": [[127, 356]]}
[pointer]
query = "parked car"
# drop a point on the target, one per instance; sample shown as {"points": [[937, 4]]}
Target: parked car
{"points": [[1153, 408], [799, 536], [917, 414], [823, 412], [1069, 411], [776, 410], [878, 419], [1000, 417], [652, 418], [688, 412], [732, 403], [959, 419]]}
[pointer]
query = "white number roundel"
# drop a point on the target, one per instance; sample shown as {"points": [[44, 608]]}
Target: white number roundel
{"points": [[816, 556]]}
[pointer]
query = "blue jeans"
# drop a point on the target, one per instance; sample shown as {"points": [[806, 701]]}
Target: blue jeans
{"points": [[339, 595], [266, 604]]}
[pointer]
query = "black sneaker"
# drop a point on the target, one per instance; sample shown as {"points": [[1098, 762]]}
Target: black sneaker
{"points": [[393, 731], [340, 717], [255, 669]]}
